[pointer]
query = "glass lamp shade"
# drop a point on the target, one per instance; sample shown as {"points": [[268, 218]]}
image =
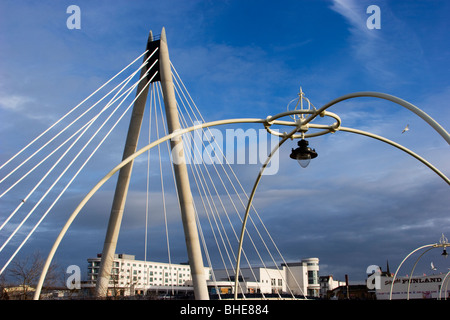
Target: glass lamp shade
{"points": [[303, 160]]}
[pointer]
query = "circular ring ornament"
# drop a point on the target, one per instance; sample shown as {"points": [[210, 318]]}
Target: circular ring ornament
{"points": [[302, 124]]}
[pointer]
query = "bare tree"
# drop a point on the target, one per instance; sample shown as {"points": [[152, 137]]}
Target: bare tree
{"points": [[3, 288], [26, 274]]}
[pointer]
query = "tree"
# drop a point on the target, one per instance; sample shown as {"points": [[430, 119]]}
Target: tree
{"points": [[3, 288], [26, 274]]}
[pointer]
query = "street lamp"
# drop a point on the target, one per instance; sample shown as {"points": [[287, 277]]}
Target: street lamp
{"points": [[444, 241], [303, 154]]}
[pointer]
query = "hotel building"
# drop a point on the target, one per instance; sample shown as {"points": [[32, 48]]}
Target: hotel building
{"points": [[136, 277]]}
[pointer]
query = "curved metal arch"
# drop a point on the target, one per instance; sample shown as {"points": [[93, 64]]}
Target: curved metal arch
{"points": [[124, 162], [412, 271], [429, 246], [428, 164], [321, 111], [442, 285], [433, 123], [250, 200], [111, 173], [400, 265], [399, 146], [404, 103]]}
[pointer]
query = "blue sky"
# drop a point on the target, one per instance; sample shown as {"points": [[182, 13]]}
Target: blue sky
{"points": [[361, 202]]}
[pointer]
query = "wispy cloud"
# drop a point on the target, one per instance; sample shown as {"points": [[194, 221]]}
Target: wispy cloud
{"points": [[386, 53], [13, 102], [354, 12]]}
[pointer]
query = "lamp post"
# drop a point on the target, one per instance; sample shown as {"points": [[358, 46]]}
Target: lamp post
{"points": [[443, 243], [303, 154]]}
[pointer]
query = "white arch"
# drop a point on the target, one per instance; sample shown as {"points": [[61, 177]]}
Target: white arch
{"points": [[429, 246], [112, 172], [321, 111], [433, 123], [442, 285], [374, 136], [409, 106]]}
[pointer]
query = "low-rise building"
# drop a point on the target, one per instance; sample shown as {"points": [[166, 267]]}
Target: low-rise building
{"points": [[416, 287], [328, 284], [136, 277], [291, 279]]}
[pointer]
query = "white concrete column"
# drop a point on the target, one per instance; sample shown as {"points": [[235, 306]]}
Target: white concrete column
{"points": [[123, 181], [181, 176]]}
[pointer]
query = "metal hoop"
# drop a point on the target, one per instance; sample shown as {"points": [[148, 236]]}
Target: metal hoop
{"points": [[302, 125]]}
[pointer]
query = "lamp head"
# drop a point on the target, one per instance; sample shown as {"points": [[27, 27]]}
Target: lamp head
{"points": [[303, 154]]}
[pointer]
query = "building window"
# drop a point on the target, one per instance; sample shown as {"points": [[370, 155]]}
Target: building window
{"points": [[312, 277]]}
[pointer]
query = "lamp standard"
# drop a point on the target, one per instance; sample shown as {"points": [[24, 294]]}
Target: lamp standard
{"points": [[304, 154], [443, 243]]}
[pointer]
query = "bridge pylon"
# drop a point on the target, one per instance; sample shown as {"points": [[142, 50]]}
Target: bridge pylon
{"points": [[162, 66]]}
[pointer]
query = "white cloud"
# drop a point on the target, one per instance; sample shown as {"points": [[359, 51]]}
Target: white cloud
{"points": [[354, 12], [386, 53], [14, 102]]}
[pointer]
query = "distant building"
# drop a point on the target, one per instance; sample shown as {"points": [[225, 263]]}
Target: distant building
{"points": [[297, 278], [328, 284], [416, 287], [420, 287], [135, 277], [351, 292]]}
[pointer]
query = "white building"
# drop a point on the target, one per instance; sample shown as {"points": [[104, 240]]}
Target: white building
{"points": [[303, 277], [135, 277], [298, 278], [422, 287], [327, 283]]}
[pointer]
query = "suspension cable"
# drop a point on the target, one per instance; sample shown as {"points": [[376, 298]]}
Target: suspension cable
{"points": [[69, 125], [73, 109], [264, 227], [84, 130], [79, 170]]}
